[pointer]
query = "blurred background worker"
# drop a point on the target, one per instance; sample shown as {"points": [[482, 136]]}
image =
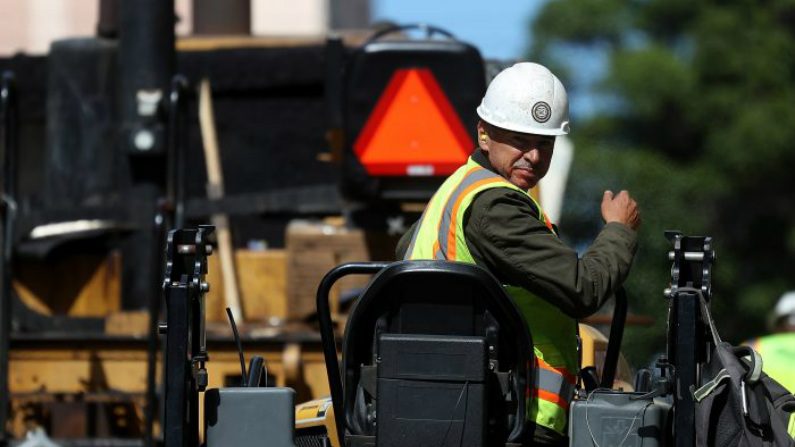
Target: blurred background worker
{"points": [[485, 214], [778, 349]]}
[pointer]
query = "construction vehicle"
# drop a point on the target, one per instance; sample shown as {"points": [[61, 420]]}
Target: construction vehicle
{"points": [[400, 309], [104, 163], [409, 377]]}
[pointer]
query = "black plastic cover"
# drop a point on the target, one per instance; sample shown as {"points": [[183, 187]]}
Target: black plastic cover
{"points": [[431, 391], [439, 357]]}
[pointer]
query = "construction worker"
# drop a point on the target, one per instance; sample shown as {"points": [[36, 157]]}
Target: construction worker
{"points": [[778, 349], [484, 214]]}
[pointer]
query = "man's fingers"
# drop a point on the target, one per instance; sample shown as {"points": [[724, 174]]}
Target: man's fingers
{"points": [[608, 195]]}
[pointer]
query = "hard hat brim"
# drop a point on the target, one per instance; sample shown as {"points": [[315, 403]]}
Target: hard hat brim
{"points": [[534, 130]]}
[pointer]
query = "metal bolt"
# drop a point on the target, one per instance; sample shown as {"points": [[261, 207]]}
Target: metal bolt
{"points": [[201, 379], [694, 256], [144, 140], [186, 249], [204, 286], [162, 328], [208, 249], [147, 101]]}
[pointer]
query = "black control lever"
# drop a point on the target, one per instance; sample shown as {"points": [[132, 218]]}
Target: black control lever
{"points": [[616, 337]]}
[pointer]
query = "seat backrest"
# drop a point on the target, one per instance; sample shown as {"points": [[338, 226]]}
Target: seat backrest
{"points": [[432, 351]]}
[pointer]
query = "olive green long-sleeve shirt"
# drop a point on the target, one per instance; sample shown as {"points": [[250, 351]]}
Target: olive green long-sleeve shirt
{"points": [[505, 235]]}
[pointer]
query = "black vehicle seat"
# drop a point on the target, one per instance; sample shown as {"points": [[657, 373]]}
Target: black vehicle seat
{"points": [[435, 354]]}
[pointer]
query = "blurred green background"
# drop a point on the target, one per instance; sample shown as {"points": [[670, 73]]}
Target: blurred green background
{"points": [[695, 116]]}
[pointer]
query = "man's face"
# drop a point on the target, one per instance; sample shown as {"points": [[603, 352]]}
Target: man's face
{"points": [[522, 158]]}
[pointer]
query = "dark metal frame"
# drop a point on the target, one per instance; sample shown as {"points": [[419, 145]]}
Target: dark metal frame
{"points": [[177, 148], [184, 288], [146, 61], [688, 346], [170, 214], [8, 110], [327, 333]]}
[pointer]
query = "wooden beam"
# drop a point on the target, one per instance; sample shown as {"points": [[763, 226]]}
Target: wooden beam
{"points": [[215, 190]]}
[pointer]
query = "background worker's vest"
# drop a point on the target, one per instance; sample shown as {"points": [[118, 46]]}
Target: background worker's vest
{"points": [[440, 235], [778, 362], [778, 357]]}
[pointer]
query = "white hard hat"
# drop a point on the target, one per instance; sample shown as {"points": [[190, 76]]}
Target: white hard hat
{"points": [[785, 308], [526, 98]]}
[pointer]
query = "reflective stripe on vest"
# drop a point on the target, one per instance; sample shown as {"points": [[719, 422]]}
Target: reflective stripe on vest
{"points": [[554, 385], [791, 427], [449, 231], [440, 236]]}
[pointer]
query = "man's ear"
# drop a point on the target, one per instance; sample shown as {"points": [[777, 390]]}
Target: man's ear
{"points": [[483, 136]]}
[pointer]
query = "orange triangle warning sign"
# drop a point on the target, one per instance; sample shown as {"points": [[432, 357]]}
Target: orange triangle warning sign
{"points": [[413, 129]]}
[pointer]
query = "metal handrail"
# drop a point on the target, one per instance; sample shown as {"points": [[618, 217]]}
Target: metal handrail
{"points": [[327, 333], [430, 30]]}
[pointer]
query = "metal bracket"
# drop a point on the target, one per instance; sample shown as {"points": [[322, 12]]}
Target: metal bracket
{"points": [[184, 288]]}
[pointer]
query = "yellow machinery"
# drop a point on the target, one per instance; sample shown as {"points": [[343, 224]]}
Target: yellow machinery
{"points": [[112, 369]]}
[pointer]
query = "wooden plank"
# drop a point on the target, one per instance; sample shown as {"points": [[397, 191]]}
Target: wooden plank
{"points": [[263, 289], [211, 43], [314, 248], [263, 277], [132, 323], [215, 190]]}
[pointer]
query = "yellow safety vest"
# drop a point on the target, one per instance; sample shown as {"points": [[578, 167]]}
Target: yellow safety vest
{"points": [[440, 235], [778, 355], [778, 361]]}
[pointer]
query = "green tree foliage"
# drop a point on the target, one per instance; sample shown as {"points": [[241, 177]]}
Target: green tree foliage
{"points": [[696, 118]]}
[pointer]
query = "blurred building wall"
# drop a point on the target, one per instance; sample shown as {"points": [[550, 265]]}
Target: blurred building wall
{"points": [[28, 26], [293, 17], [349, 14]]}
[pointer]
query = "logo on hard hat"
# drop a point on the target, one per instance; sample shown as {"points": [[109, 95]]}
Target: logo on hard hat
{"points": [[541, 112]]}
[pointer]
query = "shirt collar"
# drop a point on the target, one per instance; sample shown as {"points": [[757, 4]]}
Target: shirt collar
{"points": [[480, 158]]}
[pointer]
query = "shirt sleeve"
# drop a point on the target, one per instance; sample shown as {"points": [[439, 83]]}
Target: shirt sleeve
{"points": [[505, 235]]}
